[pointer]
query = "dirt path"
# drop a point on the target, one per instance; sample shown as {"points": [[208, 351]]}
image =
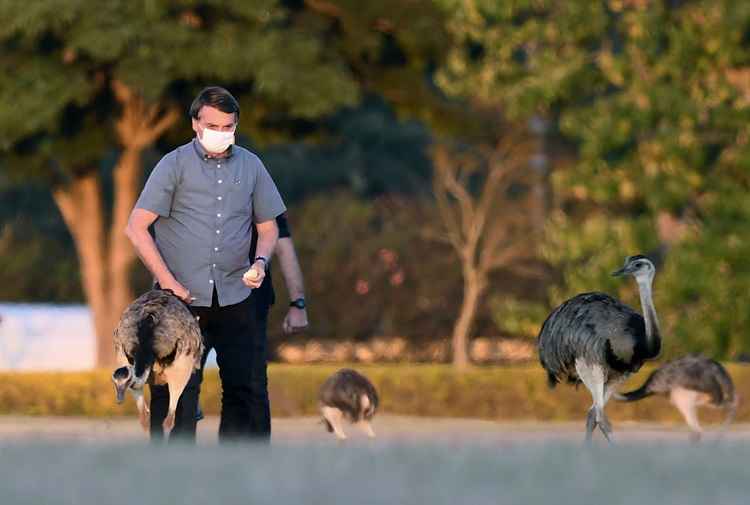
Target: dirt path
{"points": [[388, 427]]}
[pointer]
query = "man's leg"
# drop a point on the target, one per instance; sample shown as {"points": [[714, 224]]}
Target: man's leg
{"points": [[198, 410], [240, 345], [159, 407], [260, 412]]}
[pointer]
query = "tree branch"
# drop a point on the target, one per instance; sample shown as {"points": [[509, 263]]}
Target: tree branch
{"points": [[484, 237], [508, 254], [446, 172], [451, 221], [139, 125], [67, 204]]}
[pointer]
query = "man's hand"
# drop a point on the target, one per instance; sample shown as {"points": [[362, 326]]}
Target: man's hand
{"points": [[179, 290], [253, 278], [295, 320]]}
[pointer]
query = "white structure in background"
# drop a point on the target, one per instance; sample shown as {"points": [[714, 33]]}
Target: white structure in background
{"points": [[36, 336], [42, 336]]}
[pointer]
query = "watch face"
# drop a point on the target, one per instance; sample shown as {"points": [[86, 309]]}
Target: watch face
{"points": [[299, 303]]}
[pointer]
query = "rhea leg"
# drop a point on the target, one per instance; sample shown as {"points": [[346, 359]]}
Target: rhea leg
{"points": [[367, 428], [334, 417], [144, 413], [593, 378], [609, 389], [590, 423], [366, 409], [177, 376], [686, 403], [731, 411]]}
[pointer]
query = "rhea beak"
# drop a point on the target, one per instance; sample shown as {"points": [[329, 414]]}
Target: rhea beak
{"points": [[618, 273], [120, 389], [627, 269], [122, 379]]}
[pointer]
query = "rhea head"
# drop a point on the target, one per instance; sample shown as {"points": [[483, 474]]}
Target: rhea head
{"points": [[639, 267], [123, 378]]}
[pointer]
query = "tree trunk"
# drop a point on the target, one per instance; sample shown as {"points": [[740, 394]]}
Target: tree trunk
{"points": [[121, 252], [81, 207], [469, 306], [479, 223], [105, 258], [105, 253]]}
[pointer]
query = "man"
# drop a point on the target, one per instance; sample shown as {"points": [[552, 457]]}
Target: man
{"points": [[296, 317], [202, 199]]}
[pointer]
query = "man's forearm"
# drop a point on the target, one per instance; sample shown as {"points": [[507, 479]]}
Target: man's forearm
{"points": [[290, 268], [267, 237], [147, 251]]}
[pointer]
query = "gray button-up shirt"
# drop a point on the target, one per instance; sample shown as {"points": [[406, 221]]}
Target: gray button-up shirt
{"points": [[205, 207]]}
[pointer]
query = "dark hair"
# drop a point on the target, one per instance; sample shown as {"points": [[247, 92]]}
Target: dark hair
{"points": [[216, 97]]}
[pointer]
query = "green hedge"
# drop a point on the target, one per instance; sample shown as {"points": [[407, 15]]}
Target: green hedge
{"points": [[502, 393]]}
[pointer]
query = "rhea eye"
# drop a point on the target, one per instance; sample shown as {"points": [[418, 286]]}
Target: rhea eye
{"points": [[639, 264]]}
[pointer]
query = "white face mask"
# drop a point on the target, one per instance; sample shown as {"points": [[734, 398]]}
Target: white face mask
{"points": [[215, 141]]}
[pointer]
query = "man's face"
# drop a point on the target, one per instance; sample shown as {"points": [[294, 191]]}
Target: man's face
{"points": [[213, 119]]}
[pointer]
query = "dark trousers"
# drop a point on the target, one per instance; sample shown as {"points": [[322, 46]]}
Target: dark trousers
{"points": [[238, 334]]}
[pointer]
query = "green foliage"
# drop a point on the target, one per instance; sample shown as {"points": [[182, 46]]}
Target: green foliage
{"points": [[517, 317], [366, 150], [36, 268], [575, 247], [291, 67], [708, 282], [654, 98], [37, 255], [498, 393], [650, 99], [699, 292], [59, 62]]}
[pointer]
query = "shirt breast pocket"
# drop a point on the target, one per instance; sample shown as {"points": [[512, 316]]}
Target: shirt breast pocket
{"points": [[240, 197]]}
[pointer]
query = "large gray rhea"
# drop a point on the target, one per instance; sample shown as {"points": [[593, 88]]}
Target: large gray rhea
{"points": [[599, 341], [157, 341]]}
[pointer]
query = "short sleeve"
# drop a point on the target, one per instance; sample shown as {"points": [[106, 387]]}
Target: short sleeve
{"points": [[283, 224], [267, 202], [159, 189]]}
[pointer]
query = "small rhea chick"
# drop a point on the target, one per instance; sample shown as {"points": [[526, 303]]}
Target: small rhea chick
{"points": [[690, 382], [349, 395], [157, 341]]}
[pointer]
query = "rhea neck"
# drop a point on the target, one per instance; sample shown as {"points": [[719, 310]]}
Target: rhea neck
{"points": [[653, 335]]}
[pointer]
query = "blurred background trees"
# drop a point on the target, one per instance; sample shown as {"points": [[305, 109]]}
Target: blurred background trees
{"points": [[87, 78], [650, 101], [634, 114]]}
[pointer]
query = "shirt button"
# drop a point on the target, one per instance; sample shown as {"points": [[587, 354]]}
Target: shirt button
{"points": [[218, 165], [218, 215], [214, 265], [216, 248], [218, 198], [218, 231], [220, 181], [211, 281]]}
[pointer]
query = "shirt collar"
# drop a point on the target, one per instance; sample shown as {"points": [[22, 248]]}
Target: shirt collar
{"points": [[202, 154]]}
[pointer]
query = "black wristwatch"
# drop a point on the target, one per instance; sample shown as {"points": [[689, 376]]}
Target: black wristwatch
{"points": [[299, 303], [263, 259]]}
